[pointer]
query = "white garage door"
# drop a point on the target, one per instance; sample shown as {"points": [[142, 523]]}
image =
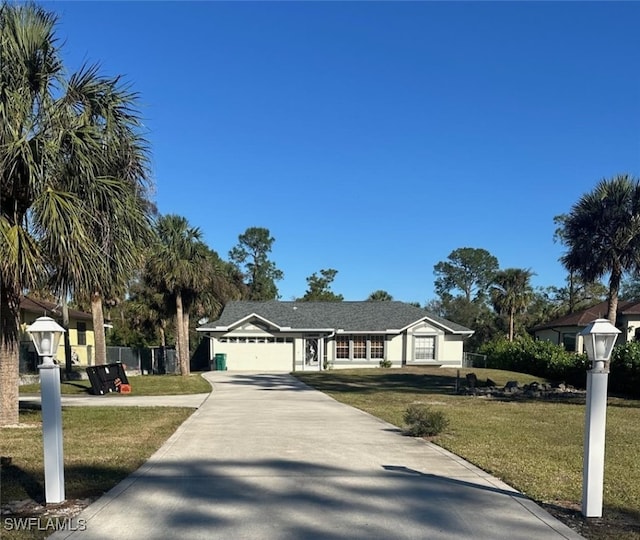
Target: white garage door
{"points": [[249, 356]]}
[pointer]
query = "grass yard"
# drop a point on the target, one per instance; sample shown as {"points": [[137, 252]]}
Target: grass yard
{"points": [[534, 445], [102, 446], [141, 385]]}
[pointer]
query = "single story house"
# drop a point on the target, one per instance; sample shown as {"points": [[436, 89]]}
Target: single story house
{"points": [[295, 336], [566, 330], [81, 336]]}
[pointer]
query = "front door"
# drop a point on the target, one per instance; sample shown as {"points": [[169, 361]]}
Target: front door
{"points": [[311, 352]]}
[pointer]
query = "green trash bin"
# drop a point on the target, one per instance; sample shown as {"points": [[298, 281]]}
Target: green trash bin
{"points": [[221, 362]]}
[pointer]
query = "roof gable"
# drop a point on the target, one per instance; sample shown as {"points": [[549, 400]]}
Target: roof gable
{"points": [[332, 316]]}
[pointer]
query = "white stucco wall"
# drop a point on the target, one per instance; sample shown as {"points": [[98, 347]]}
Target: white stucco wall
{"points": [[452, 351], [395, 349], [555, 335]]}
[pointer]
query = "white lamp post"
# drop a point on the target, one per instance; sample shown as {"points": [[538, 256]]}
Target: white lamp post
{"points": [[46, 334], [599, 338]]}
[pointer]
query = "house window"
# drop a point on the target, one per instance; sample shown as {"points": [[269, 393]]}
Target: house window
{"points": [[82, 333], [377, 347], [424, 347], [342, 347], [359, 346], [569, 342]]}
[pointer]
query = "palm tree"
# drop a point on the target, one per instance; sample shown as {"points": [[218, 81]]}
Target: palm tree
{"points": [[602, 235], [379, 296], [55, 176], [118, 209], [178, 264], [511, 294]]}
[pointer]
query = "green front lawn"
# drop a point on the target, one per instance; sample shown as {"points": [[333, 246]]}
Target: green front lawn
{"points": [[535, 445], [141, 385], [102, 446]]}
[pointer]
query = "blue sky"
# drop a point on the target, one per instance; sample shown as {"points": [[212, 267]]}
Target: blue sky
{"points": [[375, 137]]}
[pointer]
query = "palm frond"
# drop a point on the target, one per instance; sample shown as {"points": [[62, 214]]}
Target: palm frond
{"points": [[20, 255]]}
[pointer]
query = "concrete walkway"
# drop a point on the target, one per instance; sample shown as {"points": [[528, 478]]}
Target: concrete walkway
{"points": [[266, 457]]}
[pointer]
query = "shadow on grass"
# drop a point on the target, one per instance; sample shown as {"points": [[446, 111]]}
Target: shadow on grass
{"points": [[81, 482], [28, 405], [16, 481], [85, 389], [429, 383], [624, 522], [387, 382]]}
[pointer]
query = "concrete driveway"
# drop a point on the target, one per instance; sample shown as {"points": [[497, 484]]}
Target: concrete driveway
{"points": [[267, 457]]}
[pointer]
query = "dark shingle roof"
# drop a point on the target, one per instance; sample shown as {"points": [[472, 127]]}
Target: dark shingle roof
{"points": [[43, 307], [585, 316], [347, 316]]}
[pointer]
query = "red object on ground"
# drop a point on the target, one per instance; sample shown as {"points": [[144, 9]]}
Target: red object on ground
{"points": [[125, 388]]}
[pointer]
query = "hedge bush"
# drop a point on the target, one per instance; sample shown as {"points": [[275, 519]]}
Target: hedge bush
{"points": [[545, 359], [625, 369], [541, 358]]}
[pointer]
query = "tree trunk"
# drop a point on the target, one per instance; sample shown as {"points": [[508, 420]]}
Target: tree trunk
{"points": [[163, 337], [183, 355], [98, 329], [185, 317], [512, 316], [614, 287], [9, 356], [65, 336], [572, 293]]}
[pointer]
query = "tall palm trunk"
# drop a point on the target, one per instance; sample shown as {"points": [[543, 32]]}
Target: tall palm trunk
{"points": [[185, 322], [572, 292], [98, 329], [65, 336], [512, 317], [9, 356], [163, 335], [183, 355], [614, 288]]}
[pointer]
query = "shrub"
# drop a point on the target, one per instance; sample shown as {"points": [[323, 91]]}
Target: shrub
{"points": [[541, 358], [625, 369], [385, 363], [422, 421]]}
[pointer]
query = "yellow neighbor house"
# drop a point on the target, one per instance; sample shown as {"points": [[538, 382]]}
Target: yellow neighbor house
{"points": [[81, 336]]}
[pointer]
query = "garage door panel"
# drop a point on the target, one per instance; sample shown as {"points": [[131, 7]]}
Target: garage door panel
{"points": [[257, 356]]}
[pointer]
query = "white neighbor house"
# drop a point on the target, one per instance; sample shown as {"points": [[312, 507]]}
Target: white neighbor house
{"points": [[295, 336]]}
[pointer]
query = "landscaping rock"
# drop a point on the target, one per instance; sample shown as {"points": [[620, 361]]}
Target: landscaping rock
{"points": [[535, 390]]}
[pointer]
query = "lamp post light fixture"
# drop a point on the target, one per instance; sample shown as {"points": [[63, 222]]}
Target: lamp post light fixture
{"points": [[46, 334], [599, 338]]}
